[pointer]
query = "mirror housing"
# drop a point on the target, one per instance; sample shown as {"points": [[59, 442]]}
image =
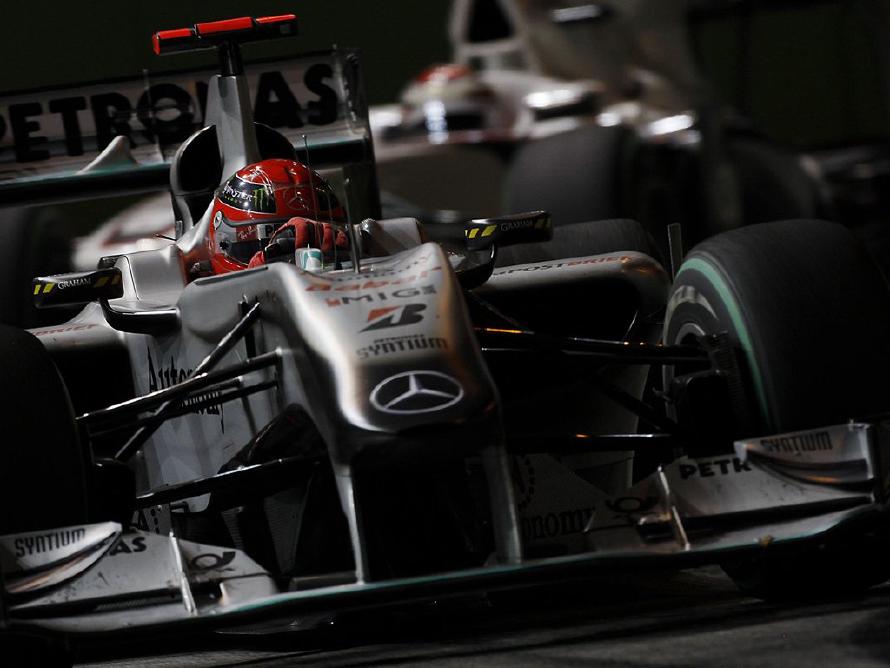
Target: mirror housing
{"points": [[517, 228], [77, 288]]}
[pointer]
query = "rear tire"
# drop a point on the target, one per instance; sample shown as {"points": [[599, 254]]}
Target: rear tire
{"points": [[809, 316]]}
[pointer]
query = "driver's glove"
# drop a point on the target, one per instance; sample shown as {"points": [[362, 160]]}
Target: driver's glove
{"points": [[300, 233]]}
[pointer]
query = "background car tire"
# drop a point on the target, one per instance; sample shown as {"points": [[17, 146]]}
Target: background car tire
{"points": [[809, 315], [574, 175], [43, 472]]}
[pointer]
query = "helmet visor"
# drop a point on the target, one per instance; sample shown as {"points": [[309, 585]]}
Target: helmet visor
{"points": [[242, 240], [282, 201]]}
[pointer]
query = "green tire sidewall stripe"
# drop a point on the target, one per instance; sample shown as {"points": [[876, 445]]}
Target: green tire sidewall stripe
{"points": [[712, 276]]}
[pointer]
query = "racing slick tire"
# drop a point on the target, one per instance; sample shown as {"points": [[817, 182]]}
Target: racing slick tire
{"points": [[808, 315], [43, 481], [574, 175]]}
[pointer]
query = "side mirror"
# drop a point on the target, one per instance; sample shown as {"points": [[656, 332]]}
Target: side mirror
{"points": [[77, 288], [517, 228]]}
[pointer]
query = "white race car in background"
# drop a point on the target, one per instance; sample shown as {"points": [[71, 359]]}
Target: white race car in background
{"points": [[593, 109]]}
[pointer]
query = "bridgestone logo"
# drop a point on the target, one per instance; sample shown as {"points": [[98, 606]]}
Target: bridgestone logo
{"points": [[54, 540], [801, 443]]}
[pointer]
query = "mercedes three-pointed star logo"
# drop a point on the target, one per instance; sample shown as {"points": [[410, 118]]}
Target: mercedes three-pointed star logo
{"points": [[412, 392]]}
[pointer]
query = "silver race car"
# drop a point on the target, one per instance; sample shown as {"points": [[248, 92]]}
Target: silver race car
{"points": [[431, 411]]}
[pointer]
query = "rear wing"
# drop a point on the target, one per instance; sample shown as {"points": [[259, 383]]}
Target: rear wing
{"points": [[49, 137]]}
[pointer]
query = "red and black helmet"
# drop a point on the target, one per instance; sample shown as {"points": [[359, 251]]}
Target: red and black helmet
{"points": [[256, 201]]}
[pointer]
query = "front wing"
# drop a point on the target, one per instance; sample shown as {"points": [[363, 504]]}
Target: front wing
{"points": [[781, 492]]}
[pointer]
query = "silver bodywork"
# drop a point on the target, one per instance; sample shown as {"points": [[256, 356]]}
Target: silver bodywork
{"points": [[334, 362], [385, 362]]}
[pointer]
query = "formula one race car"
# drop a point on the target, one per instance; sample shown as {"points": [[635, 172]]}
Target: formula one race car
{"points": [[267, 429]]}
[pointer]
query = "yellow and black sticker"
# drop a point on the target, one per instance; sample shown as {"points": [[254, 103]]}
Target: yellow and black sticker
{"points": [[486, 232], [43, 288]]}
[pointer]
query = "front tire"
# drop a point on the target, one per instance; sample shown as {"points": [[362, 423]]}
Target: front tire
{"points": [[808, 315], [807, 311], [43, 472]]}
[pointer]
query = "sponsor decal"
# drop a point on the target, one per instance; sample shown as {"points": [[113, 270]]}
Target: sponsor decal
{"points": [[557, 265], [522, 224], [164, 113], [371, 297], [708, 469], [74, 283], [810, 442], [400, 344], [61, 330], [162, 377], [414, 392], [394, 316], [627, 505], [217, 219], [51, 540], [554, 525], [248, 196], [540, 222], [687, 294], [370, 284], [523, 481], [212, 562], [131, 546], [246, 233], [155, 519]]}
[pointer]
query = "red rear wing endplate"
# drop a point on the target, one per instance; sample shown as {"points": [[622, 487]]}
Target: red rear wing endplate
{"points": [[209, 35]]}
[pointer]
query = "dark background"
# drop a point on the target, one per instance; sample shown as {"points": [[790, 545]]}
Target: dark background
{"points": [[813, 73], [45, 44]]}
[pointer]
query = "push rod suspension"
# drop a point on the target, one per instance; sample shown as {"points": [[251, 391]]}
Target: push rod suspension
{"points": [[179, 391], [145, 431], [213, 396]]}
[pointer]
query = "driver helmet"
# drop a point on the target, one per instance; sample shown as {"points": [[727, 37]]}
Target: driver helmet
{"points": [[447, 99], [258, 199]]}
